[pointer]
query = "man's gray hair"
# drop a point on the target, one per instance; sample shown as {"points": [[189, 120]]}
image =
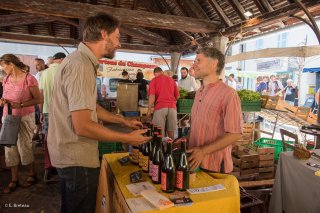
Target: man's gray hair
{"points": [[214, 53]]}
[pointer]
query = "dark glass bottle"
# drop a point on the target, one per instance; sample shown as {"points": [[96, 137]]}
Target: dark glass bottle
{"points": [[182, 171], [141, 147], [135, 154], [168, 173], [157, 162], [152, 145], [146, 154]]}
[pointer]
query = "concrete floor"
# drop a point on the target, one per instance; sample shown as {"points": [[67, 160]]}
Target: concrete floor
{"points": [[39, 198]]}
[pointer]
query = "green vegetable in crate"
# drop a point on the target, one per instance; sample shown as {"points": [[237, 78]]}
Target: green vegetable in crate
{"points": [[248, 95], [183, 93]]}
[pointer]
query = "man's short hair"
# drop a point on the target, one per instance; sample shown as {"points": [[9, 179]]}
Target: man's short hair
{"points": [[59, 55], [184, 68], [94, 24], [40, 60], [124, 73], [231, 75], [157, 70], [214, 53]]}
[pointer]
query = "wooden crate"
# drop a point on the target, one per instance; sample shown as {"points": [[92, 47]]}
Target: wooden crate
{"points": [[247, 135], [266, 162], [264, 99], [303, 112], [312, 118], [272, 102], [246, 165]]}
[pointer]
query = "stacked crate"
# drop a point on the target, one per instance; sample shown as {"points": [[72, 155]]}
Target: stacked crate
{"points": [[254, 162], [266, 162], [247, 134], [245, 162]]}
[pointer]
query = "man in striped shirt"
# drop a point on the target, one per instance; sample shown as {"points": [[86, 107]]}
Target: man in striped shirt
{"points": [[216, 117]]}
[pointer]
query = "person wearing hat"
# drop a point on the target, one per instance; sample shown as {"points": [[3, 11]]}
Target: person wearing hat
{"points": [[45, 86], [125, 76]]}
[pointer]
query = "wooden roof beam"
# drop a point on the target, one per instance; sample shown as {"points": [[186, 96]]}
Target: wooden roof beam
{"points": [[238, 8], [126, 16], [267, 5], [144, 35], [259, 6], [269, 18], [36, 39], [21, 19], [220, 12]]}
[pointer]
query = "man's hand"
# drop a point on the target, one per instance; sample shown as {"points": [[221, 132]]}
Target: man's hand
{"points": [[133, 124], [15, 105], [136, 137], [197, 155], [2, 102], [149, 112]]}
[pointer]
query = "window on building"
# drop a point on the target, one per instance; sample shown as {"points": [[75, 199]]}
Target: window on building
{"points": [[282, 40], [242, 48], [242, 65], [259, 44]]}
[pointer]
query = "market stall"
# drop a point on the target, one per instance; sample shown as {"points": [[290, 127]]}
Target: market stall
{"points": [[113, 194]]}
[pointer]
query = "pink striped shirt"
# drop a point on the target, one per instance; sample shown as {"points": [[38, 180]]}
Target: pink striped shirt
{"points": [[215, 112]]}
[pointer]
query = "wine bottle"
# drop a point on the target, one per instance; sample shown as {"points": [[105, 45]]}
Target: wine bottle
{"points": [[152, 145], [157, 162], [182, 171], [146, 154], [141, 147], [168, 173]]}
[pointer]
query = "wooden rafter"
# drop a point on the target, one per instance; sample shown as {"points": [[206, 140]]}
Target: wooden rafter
{"points": [[36, 39], [144, 35], [259, 6], [126, 16], [21, 19], [51, 29], [238, 8], [197, 9], [267, 5], [267, 19], [220, 12]]}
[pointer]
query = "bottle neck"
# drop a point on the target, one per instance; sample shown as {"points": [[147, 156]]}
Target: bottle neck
{"points": [[169, 148], [183, 146]]}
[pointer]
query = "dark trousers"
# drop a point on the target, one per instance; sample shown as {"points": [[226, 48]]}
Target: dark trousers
{"points": [[79, 187]]}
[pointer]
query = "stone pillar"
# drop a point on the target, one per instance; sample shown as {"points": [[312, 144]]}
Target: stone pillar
{"points": [[175, 58], [220, 42]]}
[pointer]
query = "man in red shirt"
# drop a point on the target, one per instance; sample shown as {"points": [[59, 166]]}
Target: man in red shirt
{"points": [[163, 93]]}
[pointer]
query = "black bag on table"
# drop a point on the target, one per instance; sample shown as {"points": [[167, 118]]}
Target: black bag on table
{"points": [[10, 129]]}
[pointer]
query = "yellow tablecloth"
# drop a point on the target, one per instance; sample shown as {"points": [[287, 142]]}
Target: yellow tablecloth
{"points": [[114, 178]]}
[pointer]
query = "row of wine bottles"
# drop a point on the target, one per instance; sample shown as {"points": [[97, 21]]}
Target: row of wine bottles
{"points": [[156, 158]]}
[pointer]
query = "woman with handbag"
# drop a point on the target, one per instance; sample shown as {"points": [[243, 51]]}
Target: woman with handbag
{"points": [[20, 89]]}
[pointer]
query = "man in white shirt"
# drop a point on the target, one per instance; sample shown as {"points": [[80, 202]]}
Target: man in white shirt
{"points": [[231, 82], [191, 73], [187, 82], [275, 87]]}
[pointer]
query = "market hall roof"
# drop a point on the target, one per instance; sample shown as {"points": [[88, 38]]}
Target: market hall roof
{"points": [[148, 25]]}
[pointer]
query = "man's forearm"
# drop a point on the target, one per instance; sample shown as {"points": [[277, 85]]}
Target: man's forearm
{"points": [[224, 141], [104, 115], [151, 101]]}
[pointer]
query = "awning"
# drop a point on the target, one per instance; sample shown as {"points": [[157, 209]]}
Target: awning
{"points": [[312, 70]]}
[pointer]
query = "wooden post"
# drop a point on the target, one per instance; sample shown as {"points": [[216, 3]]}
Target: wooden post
{"points": [[220, 42], [175, 58]]}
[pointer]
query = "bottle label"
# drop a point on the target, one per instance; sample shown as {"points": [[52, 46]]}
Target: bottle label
{"points": [[150, 168], [163, 181], [179, 179], [140, 158], [145, 163], [155, 173], [135, 155]]}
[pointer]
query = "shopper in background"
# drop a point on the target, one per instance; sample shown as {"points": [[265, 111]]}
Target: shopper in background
{"points": [[290, 92], [20, 89], [125, 77], [187, 82], [163, 94], [231, 82], [275, 87], [261, 86], [142, 87], [45, 86], [74, 130]]}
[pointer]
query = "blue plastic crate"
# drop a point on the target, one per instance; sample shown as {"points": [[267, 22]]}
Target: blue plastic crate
{"points": [[131, 114]]}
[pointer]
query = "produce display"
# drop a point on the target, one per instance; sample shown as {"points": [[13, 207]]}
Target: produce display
{"points": [[248, 95], [183, 93]]}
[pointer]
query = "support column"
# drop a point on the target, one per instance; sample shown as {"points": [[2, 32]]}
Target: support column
{"points": [[175, 58], [220, 42]]}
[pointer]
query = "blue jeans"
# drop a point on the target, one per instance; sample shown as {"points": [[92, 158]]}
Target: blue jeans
{"points": [[79, 187]]}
